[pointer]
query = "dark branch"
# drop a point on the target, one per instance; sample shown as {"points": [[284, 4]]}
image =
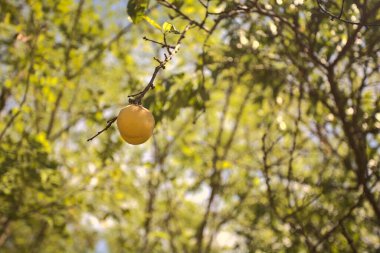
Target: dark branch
{"points": [[339, 17], [109, 124], [137, 98], [169, 5], [164, 45]]}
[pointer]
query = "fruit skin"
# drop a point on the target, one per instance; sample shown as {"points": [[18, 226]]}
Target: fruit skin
{"points": [[135, 124]]}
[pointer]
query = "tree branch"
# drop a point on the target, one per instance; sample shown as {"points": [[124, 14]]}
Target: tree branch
{"points": [[109, 124], [137, 97], [339, 16]]}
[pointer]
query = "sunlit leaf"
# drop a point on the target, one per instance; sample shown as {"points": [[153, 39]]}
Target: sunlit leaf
{"points": [[152, 22], [169, 28]]}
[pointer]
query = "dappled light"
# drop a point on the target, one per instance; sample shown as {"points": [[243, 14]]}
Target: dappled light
{"points": [[189, 126]]}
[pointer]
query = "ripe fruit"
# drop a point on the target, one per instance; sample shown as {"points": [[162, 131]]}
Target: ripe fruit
{"points": [[135, 124]]}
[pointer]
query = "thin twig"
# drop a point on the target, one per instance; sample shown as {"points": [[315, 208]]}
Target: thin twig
{"points": [[341, 10], [164, 45], [183, 15], [327, 235], [109, 124], [339, 17], [137, 98], [348, 238], [27, 85]]}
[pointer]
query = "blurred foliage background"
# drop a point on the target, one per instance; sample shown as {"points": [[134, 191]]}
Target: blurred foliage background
{"points": [[267, 136]]}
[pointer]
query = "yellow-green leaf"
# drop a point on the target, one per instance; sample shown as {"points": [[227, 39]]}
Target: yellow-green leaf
{"points": [[167, 27], [152, 22]]}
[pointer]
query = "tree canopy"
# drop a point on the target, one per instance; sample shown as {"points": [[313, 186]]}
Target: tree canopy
{"points": [[267, 126]]}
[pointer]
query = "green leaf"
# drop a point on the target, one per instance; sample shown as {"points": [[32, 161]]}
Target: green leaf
{"points": [[136, 9], [152, 22], [169, 28], [166, 27]]}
